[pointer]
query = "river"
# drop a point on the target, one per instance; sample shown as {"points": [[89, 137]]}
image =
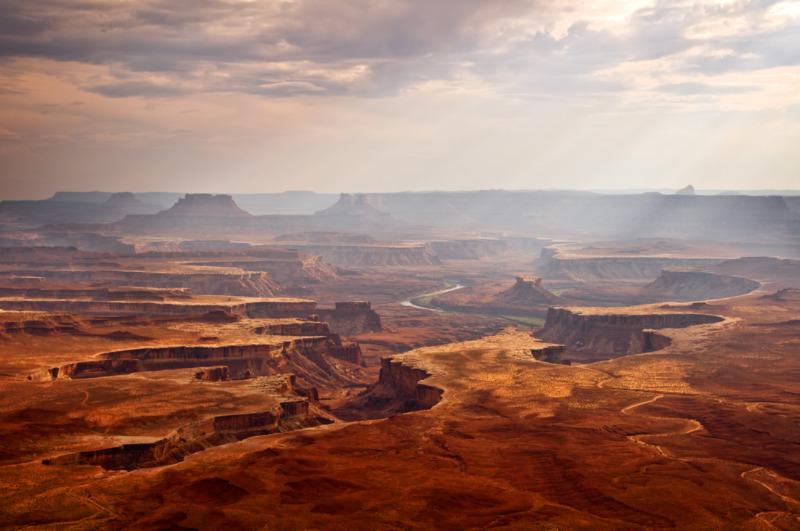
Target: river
{"points": [[409, 302]]}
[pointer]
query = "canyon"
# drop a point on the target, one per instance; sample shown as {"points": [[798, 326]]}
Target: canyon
{"points": [[420, 360]]}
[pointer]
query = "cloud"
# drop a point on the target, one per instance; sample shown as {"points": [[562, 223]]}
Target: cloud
{"points": [[697, 88], [289, 48], [135, 88]]}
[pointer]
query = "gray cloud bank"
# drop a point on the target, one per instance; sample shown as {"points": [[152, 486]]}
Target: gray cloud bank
{"points": [[162, 48]]}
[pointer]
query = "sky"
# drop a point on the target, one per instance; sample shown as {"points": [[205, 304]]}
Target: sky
{"points": [[248, 96]]}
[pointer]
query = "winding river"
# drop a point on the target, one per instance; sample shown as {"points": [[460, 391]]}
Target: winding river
{"points": [[409, 302]]}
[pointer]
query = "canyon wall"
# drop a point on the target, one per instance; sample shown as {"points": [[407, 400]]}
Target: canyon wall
{"points": [[595, 336], [398, 390], [276, 308], [550, 354], [289, 415], [468, 249], [254, 284], [553, 266], [241, 360], [697, 285], [351, 318], [374, 255]]}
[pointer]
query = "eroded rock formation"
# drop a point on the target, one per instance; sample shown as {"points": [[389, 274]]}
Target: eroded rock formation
{"points": [[592, 335], [351, 318], [550, 354], [526, 292], [241, 360], [254, 284], [374, 255], [266, 308], [398, 390], [551, 265], [218, 373], [694, 285], [288, 416]]}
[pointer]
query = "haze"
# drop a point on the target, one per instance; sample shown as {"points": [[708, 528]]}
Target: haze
{"points": [[242, 97]]}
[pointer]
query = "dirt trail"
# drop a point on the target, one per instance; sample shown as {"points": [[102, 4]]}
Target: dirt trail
{"points": [[693, 426]]}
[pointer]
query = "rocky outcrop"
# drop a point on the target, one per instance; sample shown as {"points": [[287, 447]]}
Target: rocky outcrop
{"points": [[550, 354], [288, 272], [101, 294], [785, 271], [354, 212], [526, 297], [695, 285], [351, 318], [241, 360], [206, 206], [785, 295], [289, 415], [42, 326], [526, 292], [594, 336], [374, 255], [325, 237], [310, 393], [275, 308], [468, 249], [128, 203], [213, 374], [580, 269], [255, 284], [350, 352], [402, 382], [294, 328], [398, 390]]}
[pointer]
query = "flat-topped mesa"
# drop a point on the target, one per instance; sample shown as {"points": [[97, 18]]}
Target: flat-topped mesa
{"points": [[242, 360], [100, 294], [695, 285], [347, 255], [206, 205], [288, 415], [249, 284], [592, 336], [351, 318], [469, 249], [553, 265], [269, 308], [294, 328]]}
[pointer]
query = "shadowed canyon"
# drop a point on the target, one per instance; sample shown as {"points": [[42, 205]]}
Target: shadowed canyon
{"points": [[373, 365]]}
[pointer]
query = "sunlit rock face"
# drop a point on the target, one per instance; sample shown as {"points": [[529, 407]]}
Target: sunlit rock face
{"points": [[594, 334]]}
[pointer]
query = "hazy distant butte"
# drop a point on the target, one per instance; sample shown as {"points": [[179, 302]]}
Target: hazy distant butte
{"points": [[354, 205], [210, 205]]}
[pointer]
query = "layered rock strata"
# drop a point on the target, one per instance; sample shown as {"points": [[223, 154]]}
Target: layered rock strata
{"points": [[351, 318], [288, 416], [594, 336]]}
